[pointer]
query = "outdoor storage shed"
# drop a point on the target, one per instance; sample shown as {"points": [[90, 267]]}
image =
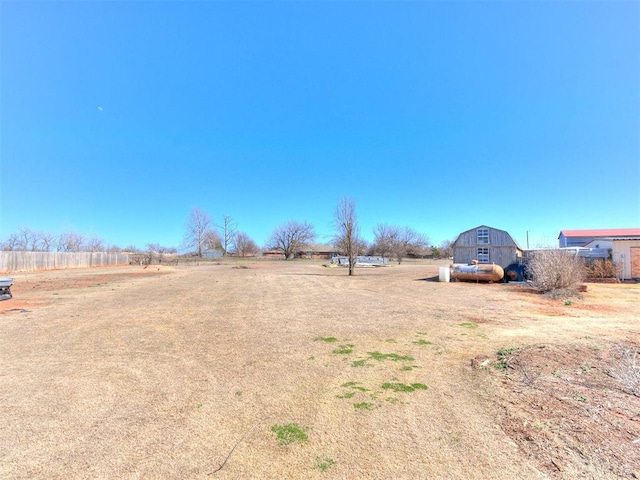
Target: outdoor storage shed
{"points": [[486, 245]]}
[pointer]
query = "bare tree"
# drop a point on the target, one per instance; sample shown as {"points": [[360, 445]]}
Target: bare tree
{"points": [[70, 242], [398, 241], [47, 240], [28, 239], [198, 231], [290, 237], [243, 245], [347, 237], [95, 244], [446, 249], [212, 240], [228, 228], [155, 249], [383, 239], [11, 243], [407, 241]]}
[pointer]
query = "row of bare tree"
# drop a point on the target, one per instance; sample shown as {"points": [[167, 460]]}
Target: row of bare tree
{"points": [[291, 237], [29, 240], [203, 235], [389, 240]]}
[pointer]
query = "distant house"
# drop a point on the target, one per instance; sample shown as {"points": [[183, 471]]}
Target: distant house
{"points": [[486, 245], [212, 254], [273, 254], [317, 251], [622, 243]]}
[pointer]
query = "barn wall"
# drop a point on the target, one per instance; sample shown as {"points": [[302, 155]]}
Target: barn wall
{"points": [[503, 256], [503, 250]]}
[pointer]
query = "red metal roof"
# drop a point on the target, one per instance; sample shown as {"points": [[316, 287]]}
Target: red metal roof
{"points": [[606, 232]]}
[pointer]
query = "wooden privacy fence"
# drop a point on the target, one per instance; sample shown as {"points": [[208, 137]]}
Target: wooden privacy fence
{"points": [[18, 261]]}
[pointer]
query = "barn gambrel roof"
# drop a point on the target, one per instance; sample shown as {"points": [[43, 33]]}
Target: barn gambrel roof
{"points": [[491, 228]]}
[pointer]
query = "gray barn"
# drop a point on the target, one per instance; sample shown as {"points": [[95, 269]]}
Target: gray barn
{"points": [[486, 245]]}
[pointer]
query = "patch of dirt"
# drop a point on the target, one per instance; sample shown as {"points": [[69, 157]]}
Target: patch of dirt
{"points": [[594, 307], [28, 288], [552, 311], [568, 410]]}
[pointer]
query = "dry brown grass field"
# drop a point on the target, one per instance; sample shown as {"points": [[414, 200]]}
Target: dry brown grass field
{"points": [[169, 372]]}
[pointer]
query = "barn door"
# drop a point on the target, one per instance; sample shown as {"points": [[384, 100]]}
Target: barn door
{"points": [[635, 262]]}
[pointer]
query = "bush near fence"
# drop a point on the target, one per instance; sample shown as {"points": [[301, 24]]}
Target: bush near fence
{"points": [[19, 261]]}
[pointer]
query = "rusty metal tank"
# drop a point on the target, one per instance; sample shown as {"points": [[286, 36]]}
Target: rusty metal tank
{"points": [[477, 272]]}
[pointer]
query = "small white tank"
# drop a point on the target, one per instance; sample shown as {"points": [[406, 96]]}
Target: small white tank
{"points": [[444, 274]]}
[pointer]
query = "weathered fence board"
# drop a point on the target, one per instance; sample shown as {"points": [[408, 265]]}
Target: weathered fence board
{"points": [[19, 261]]}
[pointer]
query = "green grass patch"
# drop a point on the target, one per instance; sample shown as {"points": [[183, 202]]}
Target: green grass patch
{"points": [[468, 325], [325, 339], [504, 358], [355, 386], [364, 406], [323, 463], [401, 387], [344, 350], [422, 342], [358, 363], [390, 356], [290, 433], [347, 395], [408, 368], [503, 352]]}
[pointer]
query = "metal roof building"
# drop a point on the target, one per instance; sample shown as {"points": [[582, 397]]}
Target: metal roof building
{"points": [[624, 244], [579, 238]]}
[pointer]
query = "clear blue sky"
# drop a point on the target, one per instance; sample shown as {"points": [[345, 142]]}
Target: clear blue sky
{"points": [[118, 117]]}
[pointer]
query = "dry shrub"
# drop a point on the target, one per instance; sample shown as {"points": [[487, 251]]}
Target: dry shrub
{"points": [[627, 370], [556, 271], [603, 269]]}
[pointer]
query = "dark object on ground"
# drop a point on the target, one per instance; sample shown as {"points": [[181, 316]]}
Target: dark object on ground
{"points": [[516, 272], [5, 288]]}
